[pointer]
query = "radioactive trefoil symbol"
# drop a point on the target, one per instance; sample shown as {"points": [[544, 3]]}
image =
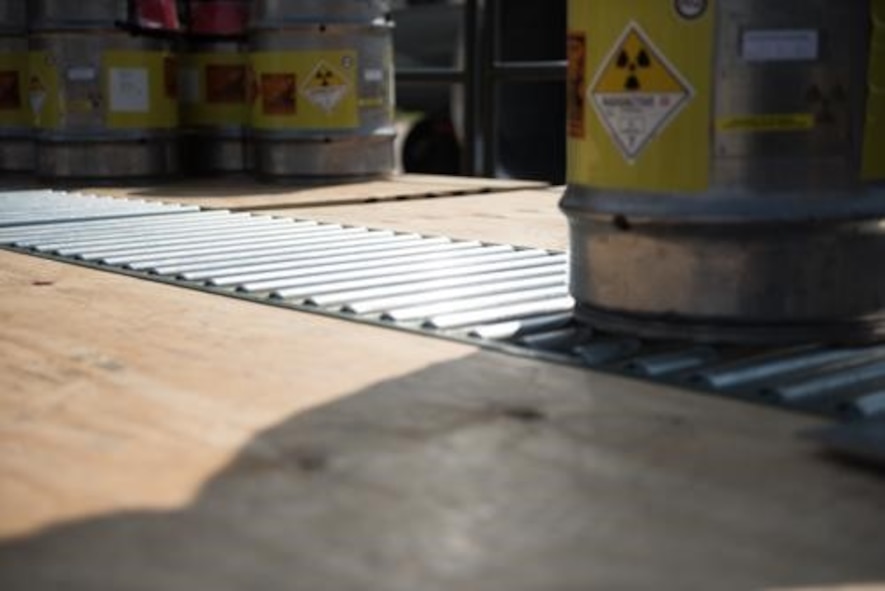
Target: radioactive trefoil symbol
{"points": [[325, 87], [632, 64], [637, 92]]}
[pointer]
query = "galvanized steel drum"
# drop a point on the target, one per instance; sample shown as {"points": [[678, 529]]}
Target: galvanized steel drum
{"points": [[104, 102], [726, 166], [271, 13], [77, 14], [215, 87], [323, 104], [16, 140], [13, 16], [214, 106]]}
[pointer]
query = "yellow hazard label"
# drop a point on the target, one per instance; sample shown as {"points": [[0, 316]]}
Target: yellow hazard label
{"points": [[323, 77], [637, 66], [14, 110], [125, 90], [874, 131], [141, 89], [765, 123], [305, 90], [646, 104], [214, 89], [637, 92]]}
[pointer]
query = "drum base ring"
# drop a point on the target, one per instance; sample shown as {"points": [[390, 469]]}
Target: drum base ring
{"points": [[863, 330]]}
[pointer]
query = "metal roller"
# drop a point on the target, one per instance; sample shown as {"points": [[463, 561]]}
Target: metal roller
{"points": [[493, 295], [726, 168]]}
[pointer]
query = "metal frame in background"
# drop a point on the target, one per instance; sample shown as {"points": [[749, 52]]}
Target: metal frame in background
{"points": [[480, 76]]}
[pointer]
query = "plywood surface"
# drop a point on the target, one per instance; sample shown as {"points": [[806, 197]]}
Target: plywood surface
{"points": [[157, 438], [244, 193], [526, 217]]}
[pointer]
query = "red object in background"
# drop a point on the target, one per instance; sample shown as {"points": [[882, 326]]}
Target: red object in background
{"points": [[157, 14], [218, 17]]}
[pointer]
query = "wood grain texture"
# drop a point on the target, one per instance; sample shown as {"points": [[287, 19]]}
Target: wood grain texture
{"points": [[528, 217], [245, 193], [153, 437], [157, 438], [90, 359]]}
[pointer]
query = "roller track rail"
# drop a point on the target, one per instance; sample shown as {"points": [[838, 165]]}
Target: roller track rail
{"points": [[497, 296]]}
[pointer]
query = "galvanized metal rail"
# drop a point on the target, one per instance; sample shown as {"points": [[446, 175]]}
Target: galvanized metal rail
{"points": [[20, 208], [496, 296]]}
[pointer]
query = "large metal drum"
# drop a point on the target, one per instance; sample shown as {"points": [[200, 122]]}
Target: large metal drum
{"points": [[105, 102], [324, 89], [81, 14], [726, 168], [16, 141], [215, 87], [270, 13], [214, 106]]}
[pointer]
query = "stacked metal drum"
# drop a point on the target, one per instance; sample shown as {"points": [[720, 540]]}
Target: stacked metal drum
{"points": [[323, 82], [16, 141], [215, 87], [104, 101], [727, 168]]}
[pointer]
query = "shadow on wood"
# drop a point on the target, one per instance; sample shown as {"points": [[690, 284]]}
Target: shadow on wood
{"points": [[527, 485]]}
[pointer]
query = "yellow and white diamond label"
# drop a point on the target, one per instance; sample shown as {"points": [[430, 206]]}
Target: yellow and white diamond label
{"points": [[637, 92], [325, 87]]}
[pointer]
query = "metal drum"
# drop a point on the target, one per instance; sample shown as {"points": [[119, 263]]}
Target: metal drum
{"points": [[16, 140], [215, 86], [105, 102], [324, 89], [82, 14], [271, 13], [726, 164], [214, 106], [13, 16]]}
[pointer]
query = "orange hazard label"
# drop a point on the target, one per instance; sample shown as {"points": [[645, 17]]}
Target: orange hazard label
{"points": [[10, 90], [278, 94], [575, 86], [226, 84]]}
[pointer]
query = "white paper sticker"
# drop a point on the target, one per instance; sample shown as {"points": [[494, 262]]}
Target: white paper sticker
{"points": [[129, 90], [373, 75], [81, 74], [781, 45]]}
